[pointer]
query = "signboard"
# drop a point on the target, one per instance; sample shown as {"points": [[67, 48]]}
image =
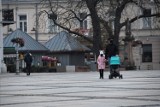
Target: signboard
{"points": [[9, 50]]}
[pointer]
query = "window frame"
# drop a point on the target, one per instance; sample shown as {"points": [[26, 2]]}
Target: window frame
{"points": [[147, 20], [84, 23], [147, 53], [22, 24]]}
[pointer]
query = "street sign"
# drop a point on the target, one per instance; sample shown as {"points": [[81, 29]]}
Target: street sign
{"points": [[9, 50]]}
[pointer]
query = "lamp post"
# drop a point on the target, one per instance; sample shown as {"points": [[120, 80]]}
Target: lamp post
{"points": [[1, 37], [17, 60], [35, 29], [35, 32], [19, 43]]}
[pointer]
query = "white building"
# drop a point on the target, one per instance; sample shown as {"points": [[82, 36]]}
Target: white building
{"points": [[26, 18], [146, 30]]}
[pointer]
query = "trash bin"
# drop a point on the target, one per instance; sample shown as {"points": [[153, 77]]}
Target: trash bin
{"points": [[3, 68], [93, 66]]}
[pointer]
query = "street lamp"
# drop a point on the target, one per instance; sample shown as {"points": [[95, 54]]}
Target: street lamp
{"points": [[1, 37], [33, 29], [17, 60], [36, 33], [36, 29]]}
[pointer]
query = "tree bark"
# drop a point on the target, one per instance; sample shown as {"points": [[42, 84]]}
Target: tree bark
{"points": [[97, 42]]}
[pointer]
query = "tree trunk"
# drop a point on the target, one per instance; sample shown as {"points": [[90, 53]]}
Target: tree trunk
{"points": [[116, 35], [97, 42], [117, 29]]}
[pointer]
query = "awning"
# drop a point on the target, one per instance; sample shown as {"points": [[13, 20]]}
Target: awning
{"points": [[47, 58]]}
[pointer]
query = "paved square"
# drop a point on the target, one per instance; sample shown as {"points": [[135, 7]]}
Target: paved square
{"points": [[80, 89]]}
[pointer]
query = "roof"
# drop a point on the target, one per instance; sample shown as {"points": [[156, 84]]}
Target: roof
{"points": [[64, 42], [29, 1], [30, 44]]}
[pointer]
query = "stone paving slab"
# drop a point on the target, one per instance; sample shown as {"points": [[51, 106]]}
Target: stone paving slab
{"points": [[80, 89]]}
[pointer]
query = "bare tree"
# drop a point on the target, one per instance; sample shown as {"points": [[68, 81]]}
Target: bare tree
{"points": [[65, 14]]}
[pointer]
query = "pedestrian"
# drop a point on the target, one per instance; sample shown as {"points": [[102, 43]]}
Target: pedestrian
{"points": [[101, 61], [111, 50], [28, 60]]}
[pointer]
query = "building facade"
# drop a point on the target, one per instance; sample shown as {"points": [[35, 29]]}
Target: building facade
{"points": [[26, 17]]}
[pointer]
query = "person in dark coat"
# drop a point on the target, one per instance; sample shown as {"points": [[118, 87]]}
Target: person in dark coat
{"points": [[28, 60], [111, 50]]}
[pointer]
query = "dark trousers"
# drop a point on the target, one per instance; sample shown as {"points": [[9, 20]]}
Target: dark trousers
{"points": [[101, 73], [28, 68]]}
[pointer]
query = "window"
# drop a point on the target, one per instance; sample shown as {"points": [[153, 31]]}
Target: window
{"points": [[147, 53], [23, 22], [147, 20], [83, 24], [52, 27]]}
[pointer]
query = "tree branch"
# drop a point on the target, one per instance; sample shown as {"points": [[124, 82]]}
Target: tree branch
{"points": [[74, 32], [107, 27], [139, 17]]}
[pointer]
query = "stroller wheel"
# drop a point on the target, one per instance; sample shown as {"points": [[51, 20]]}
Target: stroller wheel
{"points": [[120, 77], [110, 77]]}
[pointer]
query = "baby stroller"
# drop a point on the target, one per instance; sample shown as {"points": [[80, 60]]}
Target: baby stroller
{"points": [[114, 67]]}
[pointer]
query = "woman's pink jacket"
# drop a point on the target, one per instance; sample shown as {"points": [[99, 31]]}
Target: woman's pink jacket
{"points": [[101, 62]]}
